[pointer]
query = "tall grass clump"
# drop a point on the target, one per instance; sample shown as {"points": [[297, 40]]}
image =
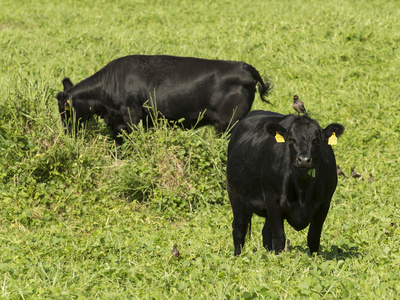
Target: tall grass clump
{"points": [[42, 170], [171, 169]]}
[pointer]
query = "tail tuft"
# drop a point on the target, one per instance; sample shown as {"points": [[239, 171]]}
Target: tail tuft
{"points": [[264, 86]]}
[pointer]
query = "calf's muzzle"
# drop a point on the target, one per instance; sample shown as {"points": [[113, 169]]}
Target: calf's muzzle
{"points": [[303, 161]]}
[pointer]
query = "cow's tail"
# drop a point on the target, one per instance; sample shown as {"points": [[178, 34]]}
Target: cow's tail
{"points": [[264, 86]]}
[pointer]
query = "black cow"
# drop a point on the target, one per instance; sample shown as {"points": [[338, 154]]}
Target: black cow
{"points": [[179, 88], [281, 167]]}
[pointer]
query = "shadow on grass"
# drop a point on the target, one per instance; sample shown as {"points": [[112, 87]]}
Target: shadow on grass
{"points": [[334, 253]]}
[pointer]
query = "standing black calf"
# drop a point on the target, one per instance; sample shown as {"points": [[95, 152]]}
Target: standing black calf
{"points": [[281, 167], [180, 88]]}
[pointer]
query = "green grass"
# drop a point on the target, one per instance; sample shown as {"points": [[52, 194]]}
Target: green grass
{"points": [[76, 222]]}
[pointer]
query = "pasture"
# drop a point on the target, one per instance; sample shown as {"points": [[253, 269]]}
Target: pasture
{"points": [[77, 222]]}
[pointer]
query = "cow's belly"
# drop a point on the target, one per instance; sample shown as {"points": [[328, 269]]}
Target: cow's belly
{"points": [[257, 206], [297, 214]]}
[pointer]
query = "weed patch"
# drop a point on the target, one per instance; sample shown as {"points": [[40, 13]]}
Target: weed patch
{"points": [[170, 168]]}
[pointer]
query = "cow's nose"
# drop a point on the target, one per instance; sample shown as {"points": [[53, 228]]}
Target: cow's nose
{"points": [[303, 161]]}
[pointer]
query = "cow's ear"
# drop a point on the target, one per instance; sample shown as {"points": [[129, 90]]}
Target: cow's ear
{"points": [[332, 132], [67, 83], [276, 131]]}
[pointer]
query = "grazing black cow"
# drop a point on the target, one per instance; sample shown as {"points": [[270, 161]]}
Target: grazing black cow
{"points": [[180, 88], [281, 167]]}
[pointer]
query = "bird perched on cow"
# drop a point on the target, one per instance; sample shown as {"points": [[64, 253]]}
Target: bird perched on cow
{"points": [[175, 252], [281, 167], [354, 174], [340, 171], [298, 105]]}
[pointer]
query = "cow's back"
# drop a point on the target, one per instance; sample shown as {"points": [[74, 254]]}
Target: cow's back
{"points": [[164, 68], [176, 86], [251, 130]]}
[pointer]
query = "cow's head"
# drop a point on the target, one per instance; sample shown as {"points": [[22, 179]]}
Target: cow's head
{"points": [[65, 104], [304, 137]]}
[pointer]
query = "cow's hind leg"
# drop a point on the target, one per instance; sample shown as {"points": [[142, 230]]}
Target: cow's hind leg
{"points": [[234, 107], [241, 222]]}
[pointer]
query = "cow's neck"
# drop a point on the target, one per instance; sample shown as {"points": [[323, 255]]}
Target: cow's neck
{"points": [[298, 206], [302, 183]]}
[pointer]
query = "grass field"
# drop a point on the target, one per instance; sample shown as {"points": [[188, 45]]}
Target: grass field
{"points": [[75, 222]]}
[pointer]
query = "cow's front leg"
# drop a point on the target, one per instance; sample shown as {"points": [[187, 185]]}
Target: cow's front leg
{"points": [[273, 232], [267, 236], [118, 134], [314, 232], [278, 238]]}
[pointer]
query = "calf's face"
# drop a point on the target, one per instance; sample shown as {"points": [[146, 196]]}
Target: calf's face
{"points": [[304, 140], [64, 107], [74, 112], [65, 104], [304, 137]]}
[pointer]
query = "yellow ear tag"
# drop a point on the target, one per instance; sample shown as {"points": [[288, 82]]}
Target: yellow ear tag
{"points": [[332, 140], [279, 138], [67, 105]]}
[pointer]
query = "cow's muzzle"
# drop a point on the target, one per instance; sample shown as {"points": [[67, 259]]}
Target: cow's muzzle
{"points": [[303, 161]]}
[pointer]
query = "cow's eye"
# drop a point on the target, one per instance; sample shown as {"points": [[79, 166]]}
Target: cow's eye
{"points": [[292, 141], [316, 141]]}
